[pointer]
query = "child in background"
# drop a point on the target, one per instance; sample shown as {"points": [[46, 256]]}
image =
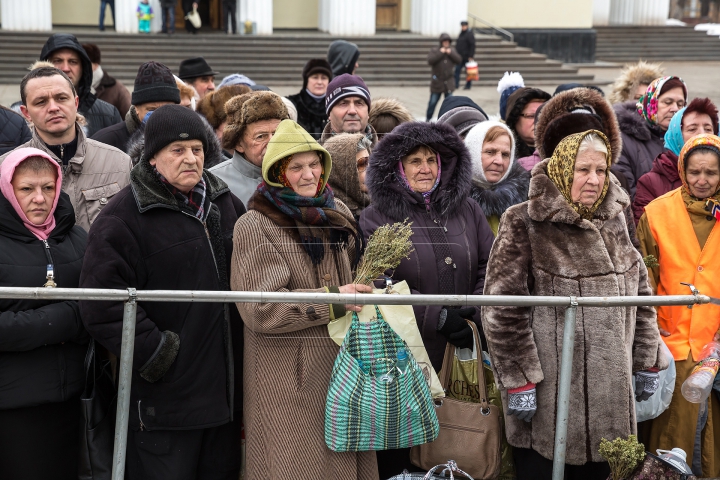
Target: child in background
{"points": [[145, 14]]}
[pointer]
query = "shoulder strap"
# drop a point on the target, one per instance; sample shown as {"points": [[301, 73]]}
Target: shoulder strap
{"points": [[448, 363]]}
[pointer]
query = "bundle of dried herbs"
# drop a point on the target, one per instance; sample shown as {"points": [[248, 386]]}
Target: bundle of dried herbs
{"points": [[386, 248], [622, 455]]}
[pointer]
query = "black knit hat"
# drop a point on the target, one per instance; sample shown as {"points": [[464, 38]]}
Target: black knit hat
{"points": [[155, 83], [172, 123], [316, 65]]}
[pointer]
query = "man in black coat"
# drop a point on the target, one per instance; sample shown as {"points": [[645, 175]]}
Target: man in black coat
{"points": [[171, 229], [465, 46], [67, 54], [14, 130]]}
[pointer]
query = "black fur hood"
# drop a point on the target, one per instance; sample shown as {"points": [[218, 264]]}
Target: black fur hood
{"points": [[503, 195], [386, 190], [631, 123], [213, 156]]}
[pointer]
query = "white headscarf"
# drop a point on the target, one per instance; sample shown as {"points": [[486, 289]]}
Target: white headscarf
{"points": [[474, 142]]}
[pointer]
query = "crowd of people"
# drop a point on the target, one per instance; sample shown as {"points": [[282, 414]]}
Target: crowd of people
{"points": [[182, 185]]}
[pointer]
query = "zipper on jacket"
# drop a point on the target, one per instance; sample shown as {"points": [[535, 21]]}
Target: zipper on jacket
{"points": [[50, 276], [142, 425]]}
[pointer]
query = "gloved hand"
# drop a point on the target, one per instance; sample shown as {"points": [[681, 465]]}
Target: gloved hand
{"points": [[646, 384], [523, 404], [455, 327]]}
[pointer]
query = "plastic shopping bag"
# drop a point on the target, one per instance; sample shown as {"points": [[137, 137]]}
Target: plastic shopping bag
{"points": [[472, 73], [660, 401]]}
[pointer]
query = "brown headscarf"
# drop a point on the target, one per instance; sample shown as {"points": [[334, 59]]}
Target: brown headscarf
{"points": [[344, 178], [712, 203]]}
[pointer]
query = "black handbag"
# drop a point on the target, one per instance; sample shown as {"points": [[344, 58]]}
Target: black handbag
{"points": [[97, 430]]}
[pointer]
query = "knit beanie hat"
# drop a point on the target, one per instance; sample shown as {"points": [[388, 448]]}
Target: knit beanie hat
{"points": [[172, 123], [316, 65], [510, 82], [345, 85], [155, 83], [249, 108]]}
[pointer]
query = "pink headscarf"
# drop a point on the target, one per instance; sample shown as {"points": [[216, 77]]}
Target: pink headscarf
{"points": [[7, 170]]}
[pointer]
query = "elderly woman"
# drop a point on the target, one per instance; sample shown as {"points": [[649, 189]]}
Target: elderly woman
{"points": [[499, 182], [570, 239], [42, 342], [423, 172], [296, 237], [676, 229], [350, 157]]}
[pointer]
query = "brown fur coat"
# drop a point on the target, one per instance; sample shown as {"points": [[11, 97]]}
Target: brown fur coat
{"points": [[543, 247]]}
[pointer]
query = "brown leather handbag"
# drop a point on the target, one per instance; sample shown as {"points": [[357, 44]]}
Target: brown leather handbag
{"points": [[470, 433]]}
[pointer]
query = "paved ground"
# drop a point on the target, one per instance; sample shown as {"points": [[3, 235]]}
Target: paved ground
{"points": [[703, 79]]}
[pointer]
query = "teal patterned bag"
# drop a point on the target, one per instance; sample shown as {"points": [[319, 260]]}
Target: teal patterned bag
{"points": [[371, 404]]}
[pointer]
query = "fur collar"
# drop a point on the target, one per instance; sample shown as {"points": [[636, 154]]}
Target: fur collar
{"points": [[149, 192], [392, 197], [262, 205], [504, 194], [547, 204], [631, 123]]}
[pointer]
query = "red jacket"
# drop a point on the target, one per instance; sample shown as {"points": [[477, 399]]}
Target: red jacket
{"points": [[662, 178]]}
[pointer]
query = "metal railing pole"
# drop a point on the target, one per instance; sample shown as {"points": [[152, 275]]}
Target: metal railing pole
{"points": [[563, 407], [124, 383]]}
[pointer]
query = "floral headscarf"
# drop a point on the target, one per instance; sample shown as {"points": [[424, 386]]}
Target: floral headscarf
{"points": [[713, 202], [647, 105], [561, 170]]}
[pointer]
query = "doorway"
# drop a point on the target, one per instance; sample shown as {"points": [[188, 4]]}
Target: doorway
{"points": [[210, 12], [387, 14]]}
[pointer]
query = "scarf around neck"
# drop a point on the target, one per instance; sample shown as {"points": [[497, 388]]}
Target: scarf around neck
{"points": [[195, 202], [405, 183], [561, 171]]}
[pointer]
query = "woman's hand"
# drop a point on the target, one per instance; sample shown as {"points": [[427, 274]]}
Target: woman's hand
{"points": [[355, 288], [664, 332]]}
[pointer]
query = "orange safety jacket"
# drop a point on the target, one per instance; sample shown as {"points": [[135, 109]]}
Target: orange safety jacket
{"points": [[681, 260]]}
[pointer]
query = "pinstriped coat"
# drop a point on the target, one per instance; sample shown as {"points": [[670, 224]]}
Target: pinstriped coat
{"points": [[288, 355]]}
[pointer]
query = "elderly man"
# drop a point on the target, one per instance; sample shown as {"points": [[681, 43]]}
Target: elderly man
{"points": [[154, 87], [197, 73], [252, 119], [65, 53], [92, 171], [172, 230], [347, 103]]}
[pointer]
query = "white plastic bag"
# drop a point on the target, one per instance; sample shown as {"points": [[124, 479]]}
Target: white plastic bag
{"points": [[660, 401]]}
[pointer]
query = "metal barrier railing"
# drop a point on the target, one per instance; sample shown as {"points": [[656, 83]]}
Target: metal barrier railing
{"points": [[131, 296]]}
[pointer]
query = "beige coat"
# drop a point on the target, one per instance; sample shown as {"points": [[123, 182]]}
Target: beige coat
{"points": [[288, 354], [92, 177]]}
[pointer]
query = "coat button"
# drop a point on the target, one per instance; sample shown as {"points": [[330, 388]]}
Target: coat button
{"points": [[700, 268], [103, 201], [448, 261], [310, 311], [327, 277]]}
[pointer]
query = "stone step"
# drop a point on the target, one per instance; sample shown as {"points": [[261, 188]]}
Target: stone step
{"points": [[630, 44]]}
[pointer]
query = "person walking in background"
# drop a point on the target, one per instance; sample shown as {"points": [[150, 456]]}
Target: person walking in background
{"points": [[103, 5], [229, 8], [42, 342], [466, 48], [188, 7], [442, 59], [167, 11], [105, 87], [145, 15], [679, 231], [310, 101], [633, 81]]}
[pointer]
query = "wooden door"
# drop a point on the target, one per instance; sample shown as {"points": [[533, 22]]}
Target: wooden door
{"points": [[387, 14]]}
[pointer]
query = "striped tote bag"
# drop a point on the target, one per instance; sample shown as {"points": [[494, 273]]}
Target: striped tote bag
{"points": [[378, 398]]}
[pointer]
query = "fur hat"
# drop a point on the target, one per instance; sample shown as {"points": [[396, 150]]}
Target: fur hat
{"points": [[641, 73], [316, 65], [250, 108], [212, 107], [508, 84], [388, 113]]}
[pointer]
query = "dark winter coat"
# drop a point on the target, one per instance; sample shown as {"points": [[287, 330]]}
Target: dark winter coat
{"points": [[443, 67], [99, 114], [183, 367], [42, 342], [14, 130], [465, 45], [641, 144], [311, 113], [662, 178], [118, 135], [113, 92], [452, 238], [545, 248], [503, 195]]}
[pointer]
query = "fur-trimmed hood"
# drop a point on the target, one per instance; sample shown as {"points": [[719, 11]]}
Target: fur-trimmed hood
{"points": [[502, 195], [389, 106], [557, 120], [456, 178], [631, 123], [213, 156], [641, 73]]}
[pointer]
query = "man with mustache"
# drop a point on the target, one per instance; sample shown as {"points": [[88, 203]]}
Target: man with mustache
{"points": [[347, 103], [92, 171]]}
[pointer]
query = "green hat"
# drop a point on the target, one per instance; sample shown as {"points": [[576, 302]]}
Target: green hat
{"points": [[290, 138]]}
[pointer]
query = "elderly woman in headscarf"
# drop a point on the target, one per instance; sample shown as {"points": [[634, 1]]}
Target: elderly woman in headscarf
{"points": [[350, 154], [570, 239], [679, 235], [499, 181], [296, 237]]}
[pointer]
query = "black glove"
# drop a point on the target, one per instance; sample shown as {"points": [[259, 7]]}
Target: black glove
{"points": [[455, 327]]}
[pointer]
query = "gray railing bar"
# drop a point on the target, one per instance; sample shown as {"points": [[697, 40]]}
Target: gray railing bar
{"points": [[493, 26], [561, 422]]}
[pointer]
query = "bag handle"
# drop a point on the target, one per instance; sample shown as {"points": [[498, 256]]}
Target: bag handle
{"points": [[448, 362], [90, 362], [450, 467]]}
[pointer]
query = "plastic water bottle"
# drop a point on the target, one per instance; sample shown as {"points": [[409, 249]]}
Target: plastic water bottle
{"points": [[697, 387], [675, 457], [402, 360]]}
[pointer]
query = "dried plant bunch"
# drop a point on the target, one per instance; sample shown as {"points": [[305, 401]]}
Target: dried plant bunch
{"points": [[385, 249], [622, 455]]}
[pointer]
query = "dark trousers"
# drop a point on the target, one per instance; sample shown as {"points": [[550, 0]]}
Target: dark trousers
{"points": [[168, 19], [530, 465], [41, 442], [458, 71], [103, 4], [205, 454], [434, 99], [230, 9]]}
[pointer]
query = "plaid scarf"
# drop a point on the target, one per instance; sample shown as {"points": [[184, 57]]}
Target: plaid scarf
{"points": [[196, 202]]}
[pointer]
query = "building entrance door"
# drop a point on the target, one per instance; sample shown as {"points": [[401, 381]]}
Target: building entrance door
{"points": [[387, 14]]}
